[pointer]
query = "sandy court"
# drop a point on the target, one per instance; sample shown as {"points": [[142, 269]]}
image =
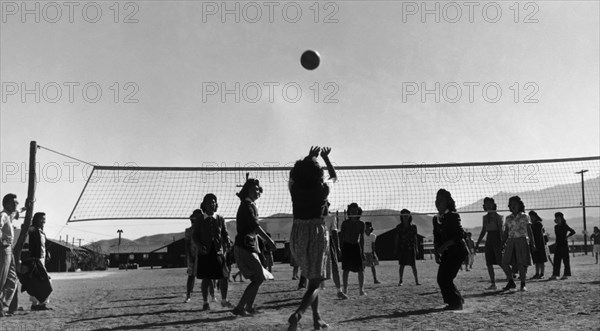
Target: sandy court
{"points": [[80, 275], [146, 299]]}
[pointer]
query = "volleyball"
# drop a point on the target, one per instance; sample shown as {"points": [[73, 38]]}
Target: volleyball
{"points": [[310, 60]]}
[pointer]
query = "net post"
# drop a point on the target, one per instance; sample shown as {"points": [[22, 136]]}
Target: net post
{"points": [[583, 171], [29, 202]]}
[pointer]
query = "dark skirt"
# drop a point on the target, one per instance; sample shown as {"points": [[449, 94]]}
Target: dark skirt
{"points": [[493, 248], [35, 280], [539, 255], [351, 258], [407, 256], [212, 266]]}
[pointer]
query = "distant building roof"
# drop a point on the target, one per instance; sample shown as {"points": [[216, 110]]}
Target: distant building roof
{"points": [[63, 244], [17, 233], [163, 249]]}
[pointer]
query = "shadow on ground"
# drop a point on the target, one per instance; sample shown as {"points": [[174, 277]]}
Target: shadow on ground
{"points": [[168, 311], [396, 314], [167, 324], [154, 298]]}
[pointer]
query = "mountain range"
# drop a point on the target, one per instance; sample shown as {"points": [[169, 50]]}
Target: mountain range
{"points": [[142, 244], [556, 196]]}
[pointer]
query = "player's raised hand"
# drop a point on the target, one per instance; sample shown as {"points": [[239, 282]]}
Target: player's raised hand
{"points": [[314, 151], [325, 152]]}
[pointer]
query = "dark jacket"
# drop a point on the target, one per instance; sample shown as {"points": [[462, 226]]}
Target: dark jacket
{"points": [[309, 203], [450, 228], [210, 231], [562, 231], [35, 243], [246, 224]]}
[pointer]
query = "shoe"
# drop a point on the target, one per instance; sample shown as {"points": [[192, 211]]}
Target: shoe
{"points": [[377, 282], [240, 312], [536, 276], [417, 283], [40, 307], [564, 277], [454, 307], [492, 287], [400, 283], [226, 304], [12, 312], [206, 306], [253, 311], [213, 299], [362, 293], [541, 277], [294, 320], [523, 288], [510, 286], [320, 324], [342, 295], [187, 299]]}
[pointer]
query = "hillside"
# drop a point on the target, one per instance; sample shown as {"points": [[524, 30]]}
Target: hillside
{"points": [[575, 223], [145, 243], [280, 225], [555, 196], [109, 245], [159, 239]]}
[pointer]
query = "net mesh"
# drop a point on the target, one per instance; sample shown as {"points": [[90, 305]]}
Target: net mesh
{"points": [[173, 193]]}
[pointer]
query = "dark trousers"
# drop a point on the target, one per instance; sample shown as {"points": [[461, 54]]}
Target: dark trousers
{"points": [[561, 253], [302, 282], [447, 271]]}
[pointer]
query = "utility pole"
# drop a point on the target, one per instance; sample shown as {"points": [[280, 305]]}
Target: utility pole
{"points": [[79, 242], [583, 206], [119, 244]]}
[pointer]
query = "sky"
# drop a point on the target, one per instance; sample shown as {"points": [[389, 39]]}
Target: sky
{"points": [[153, 83]]}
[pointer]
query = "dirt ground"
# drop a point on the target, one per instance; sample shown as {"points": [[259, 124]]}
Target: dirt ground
{"points": [[153, 299]]}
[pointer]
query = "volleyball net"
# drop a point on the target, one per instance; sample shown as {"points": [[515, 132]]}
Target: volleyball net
{"points": [[114, 192]]}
